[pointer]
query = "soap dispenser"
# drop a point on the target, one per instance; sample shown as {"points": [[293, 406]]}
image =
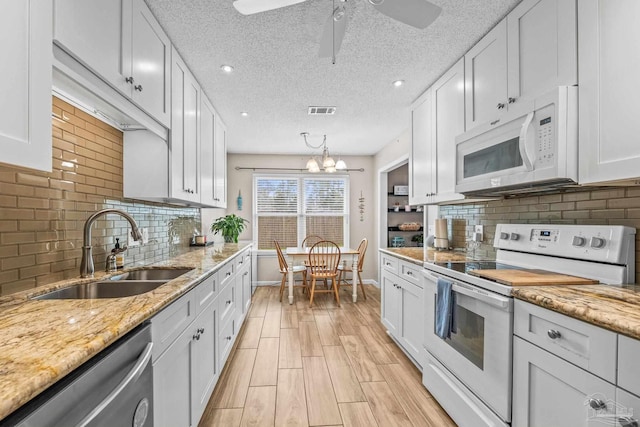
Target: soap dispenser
{"points": [[119, 254]]}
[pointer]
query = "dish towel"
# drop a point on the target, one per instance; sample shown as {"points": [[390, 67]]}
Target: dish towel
{"points": [[445, 302]]}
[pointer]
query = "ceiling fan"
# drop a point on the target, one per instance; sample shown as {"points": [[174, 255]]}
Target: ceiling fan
{"points": [[416, 13]]}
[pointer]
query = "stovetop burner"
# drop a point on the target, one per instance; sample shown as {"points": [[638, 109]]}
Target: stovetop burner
{"points": [[466, 267]]}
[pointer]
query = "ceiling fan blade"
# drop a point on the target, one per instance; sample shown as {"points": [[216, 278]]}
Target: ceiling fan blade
{"points": [[249, 7], [417, 13], [330, 38]]}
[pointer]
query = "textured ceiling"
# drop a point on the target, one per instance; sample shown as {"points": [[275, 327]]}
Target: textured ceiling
{"points": [[278, 73]]}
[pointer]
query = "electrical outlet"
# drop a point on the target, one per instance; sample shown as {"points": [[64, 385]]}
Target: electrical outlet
{"points": [[478, 233], [431, 230]]}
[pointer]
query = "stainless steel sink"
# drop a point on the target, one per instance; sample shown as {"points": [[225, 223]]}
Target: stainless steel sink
{"points": [[123, 285], [151, 274]]}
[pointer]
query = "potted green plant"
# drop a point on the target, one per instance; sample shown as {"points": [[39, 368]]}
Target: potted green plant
{"points": [[230, 226], [418, 238]]}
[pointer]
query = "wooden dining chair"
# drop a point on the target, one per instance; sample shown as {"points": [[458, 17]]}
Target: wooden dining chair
{"points": [[345, 267], [324, 258], [284, 269], [311, 240]]}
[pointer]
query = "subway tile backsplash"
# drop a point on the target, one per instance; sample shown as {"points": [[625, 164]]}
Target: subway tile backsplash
{"points": [[611, 206], [42, 215]]}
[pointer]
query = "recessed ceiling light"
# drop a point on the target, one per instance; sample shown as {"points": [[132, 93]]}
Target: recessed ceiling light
{"points": [[398, 83], [227, 68], [244, 114]]}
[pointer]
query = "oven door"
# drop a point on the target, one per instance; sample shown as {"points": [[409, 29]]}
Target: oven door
{"points": [[479, 352]]}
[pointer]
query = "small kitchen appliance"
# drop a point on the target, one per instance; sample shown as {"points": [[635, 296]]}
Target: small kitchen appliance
{"points": [[469, 373], [441, 240]]}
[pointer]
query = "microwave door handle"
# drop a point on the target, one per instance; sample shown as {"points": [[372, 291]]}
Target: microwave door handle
{"points": [[526, 133]]}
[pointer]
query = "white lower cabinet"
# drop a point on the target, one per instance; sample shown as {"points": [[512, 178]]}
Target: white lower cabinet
{"points": [[401, 308], [193, 338], [549, 391]]}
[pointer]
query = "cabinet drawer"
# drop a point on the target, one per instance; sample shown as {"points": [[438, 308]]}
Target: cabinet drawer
{"points": [[389, 263], [205, 292], [227, 303], [411, 273], [225, 341], [167, 325], [225, 274], [585, 345], [628, 368], [242, 260]]}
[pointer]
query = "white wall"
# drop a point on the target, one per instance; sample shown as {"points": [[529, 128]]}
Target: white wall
{"points": [[242, 180]]}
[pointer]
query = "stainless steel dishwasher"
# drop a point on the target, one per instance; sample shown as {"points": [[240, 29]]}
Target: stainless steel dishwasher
{"points": [[115, 388]]}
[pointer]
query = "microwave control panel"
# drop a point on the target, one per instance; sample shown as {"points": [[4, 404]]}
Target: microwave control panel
{"points": [[545, 137]]}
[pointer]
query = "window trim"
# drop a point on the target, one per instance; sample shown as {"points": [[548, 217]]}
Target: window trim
{"points": [[300, 204]]}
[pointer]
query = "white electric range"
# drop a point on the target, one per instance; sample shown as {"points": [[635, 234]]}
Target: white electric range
{"points": [[470, 372]]}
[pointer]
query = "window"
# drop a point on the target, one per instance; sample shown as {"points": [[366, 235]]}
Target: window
{"points": [[290, 207]]}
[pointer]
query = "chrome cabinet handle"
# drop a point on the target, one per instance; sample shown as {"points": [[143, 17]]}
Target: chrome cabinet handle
{"points": [[196, 337], [228, 273], [201, 330], [228, 338], [409, 273], [495, 122], [228, 302], [129, 80], [512, 100], [132, 375], [138, 87], [597, 404], [553, 334], [627, 422], [500, 105]]}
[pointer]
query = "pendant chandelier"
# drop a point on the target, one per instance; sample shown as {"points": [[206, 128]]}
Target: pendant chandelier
{"points": [[328, 164]]}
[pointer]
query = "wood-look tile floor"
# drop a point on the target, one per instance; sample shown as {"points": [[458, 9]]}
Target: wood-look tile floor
{"points": [[326, 366]]}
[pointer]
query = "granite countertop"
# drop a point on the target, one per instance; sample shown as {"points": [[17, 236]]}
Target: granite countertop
{"points": [[614, 307], [43, 340], [419, 256]]}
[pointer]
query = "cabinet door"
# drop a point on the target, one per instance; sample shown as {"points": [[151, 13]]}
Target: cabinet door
{"points": [[220, 164], [92, 32], [448, 122], [542, 51], [420, 162], [244, 277], [550, 391], [390, 304], [185, 135], [627, 406], [411, 319], [25, 84], [205, 367], [207, 152], [150, 63], [608, 107], [485, 70], [172, 384]]}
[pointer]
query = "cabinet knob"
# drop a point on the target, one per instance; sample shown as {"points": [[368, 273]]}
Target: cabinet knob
{"points": [[228, 273], [138, 88], [129, 80], [553, 334], [512, 100], [500, 105], [495, 122], [627, 422], [228, 302], [409, 273], [228, 338], [597, 404]]}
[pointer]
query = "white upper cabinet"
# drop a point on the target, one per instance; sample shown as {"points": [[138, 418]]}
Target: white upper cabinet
{"points": [[185, 133], [121, 42], [486, 71], [420, 161], [212, 156], [530, 52], [25, 84], [448, 122], [609, 64], [220, 165]]}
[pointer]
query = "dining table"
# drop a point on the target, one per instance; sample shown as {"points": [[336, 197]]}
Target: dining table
{"points": [[299, 254]]}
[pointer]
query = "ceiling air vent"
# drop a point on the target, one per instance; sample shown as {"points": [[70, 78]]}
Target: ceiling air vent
{"points": [[322, 111]]}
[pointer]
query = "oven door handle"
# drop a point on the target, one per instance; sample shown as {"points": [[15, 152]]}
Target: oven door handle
{"points": [[494, 300], [131, 376]]}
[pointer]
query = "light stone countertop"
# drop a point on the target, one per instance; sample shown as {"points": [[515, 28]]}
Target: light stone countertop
{"points": [[419, 256], [41, 341]]}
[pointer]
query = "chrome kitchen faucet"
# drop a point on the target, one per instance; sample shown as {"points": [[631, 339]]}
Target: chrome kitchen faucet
{"points": [[86, 265]]}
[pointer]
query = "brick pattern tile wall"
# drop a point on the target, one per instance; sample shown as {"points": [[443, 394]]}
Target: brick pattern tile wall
{"points": [[42, 215], [612, 206]]}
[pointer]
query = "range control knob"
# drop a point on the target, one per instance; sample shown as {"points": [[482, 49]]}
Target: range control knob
{"points": [[504, 236], [579, 241], [597, 242], [514, 236]]}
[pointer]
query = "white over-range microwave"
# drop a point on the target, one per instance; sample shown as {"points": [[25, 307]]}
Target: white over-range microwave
{"points": [[532, 148]]}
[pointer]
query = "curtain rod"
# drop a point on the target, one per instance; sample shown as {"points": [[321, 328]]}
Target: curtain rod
{"points": [[241, 168]]}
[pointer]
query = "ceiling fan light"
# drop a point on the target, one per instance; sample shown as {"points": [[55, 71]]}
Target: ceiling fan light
{"points": [[341, 165]]}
